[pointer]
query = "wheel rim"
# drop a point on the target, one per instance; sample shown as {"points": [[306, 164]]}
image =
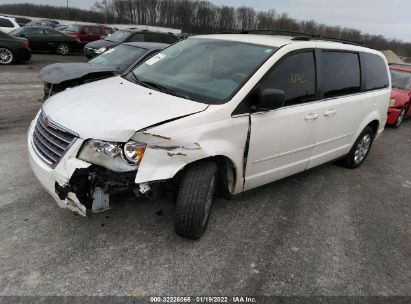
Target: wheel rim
{"points": [[362, 148], [63, 49], [209, 201], [401, 117], [6, 56]]}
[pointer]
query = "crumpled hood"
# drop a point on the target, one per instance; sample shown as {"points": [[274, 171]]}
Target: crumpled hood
{"points": [[59, 72], [113, 109]]}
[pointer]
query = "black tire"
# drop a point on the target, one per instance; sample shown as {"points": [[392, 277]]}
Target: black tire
{"points": [[6, 56], [195, 199], [63, 49], [400, 117], [358, 153]]}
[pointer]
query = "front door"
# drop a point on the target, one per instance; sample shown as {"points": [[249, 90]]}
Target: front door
{"points": [[281, 140]]}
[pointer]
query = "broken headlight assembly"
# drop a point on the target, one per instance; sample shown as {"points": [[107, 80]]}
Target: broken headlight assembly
{"points": [[118, 157]]}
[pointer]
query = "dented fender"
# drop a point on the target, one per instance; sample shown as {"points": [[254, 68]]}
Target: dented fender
{"points": [[168, 153]]}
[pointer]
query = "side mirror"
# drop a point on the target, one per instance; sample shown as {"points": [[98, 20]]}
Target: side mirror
{"points": [[269, 99]]}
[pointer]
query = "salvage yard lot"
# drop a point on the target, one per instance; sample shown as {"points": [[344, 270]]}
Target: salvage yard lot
{"points": [[329, 231]]}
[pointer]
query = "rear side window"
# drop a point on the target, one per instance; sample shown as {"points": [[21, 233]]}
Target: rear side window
{"points": [[136, 38], [295, 75], [5, 23], [375, 71], [96, 30], [107, 31], [169, 39], [51, 33], [340, 73]]}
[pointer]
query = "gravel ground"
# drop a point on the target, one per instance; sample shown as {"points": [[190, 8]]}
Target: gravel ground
{"points": [[328, 231]]}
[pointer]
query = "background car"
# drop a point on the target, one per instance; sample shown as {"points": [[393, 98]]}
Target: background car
{"points": [[47, 39], [97, 47], [42, 23], [61, 27], [60, 76], [89, 32], [13, 49], [8, 24], [400, 95]]}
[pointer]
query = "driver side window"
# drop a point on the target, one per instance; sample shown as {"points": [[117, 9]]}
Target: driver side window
{"points": [[295, 75]]}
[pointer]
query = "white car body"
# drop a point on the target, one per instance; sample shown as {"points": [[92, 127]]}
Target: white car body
{"points": [[12, 22], [178, 132]]}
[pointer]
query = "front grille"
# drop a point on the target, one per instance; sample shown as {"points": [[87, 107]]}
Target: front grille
{"points": [[51, 141]]}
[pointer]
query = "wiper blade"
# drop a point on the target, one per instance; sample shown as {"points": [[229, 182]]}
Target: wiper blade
{"points": [[161, 88]]}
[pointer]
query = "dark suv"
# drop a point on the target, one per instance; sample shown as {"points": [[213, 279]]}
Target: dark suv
{"points": [[97, 47]]}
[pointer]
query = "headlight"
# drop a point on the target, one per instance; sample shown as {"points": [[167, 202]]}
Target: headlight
{"points": [[134, 151], [114, 156], [392, 102], [101, 50]]}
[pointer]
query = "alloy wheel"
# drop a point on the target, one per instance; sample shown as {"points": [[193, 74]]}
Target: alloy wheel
{"points": [[6, 56], [362, 148]]}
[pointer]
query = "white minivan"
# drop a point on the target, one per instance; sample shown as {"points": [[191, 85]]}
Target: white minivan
{"points": [[214, 114]]}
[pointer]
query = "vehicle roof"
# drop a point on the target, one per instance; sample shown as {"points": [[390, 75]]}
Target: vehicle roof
{"points": [[147, 45], [401, 67], [144, 31], [280, 40]]}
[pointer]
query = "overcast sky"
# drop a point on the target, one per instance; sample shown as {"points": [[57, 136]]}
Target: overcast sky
{"points": [[391, 18]]}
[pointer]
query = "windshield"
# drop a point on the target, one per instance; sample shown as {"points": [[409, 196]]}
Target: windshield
{"points": [[120, 57], [400, 79], [74, 28], [205, 70], [119, 36]]}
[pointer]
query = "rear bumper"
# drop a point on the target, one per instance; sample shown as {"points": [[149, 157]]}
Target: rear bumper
{"points": [[393, 114]]}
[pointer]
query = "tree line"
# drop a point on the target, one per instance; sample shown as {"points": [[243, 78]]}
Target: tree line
{"points": [[202, 17]]}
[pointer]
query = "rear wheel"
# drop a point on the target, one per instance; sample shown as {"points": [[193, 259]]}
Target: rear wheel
{"points": [[63, 49], [360, 149], [195, 199], [400, 117], [6, 56]]}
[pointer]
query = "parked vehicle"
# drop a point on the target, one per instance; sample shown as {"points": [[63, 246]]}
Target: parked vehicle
{"points": [[89, 32], [97, 47], [401, 94], [60, 76], [61, 27], [22, 21], [13, 49], [8, 24], [214, 114], [47, 39], [42, 23]]}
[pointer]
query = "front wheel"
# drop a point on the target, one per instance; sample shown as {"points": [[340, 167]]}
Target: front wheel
{"points": [[195, 198], [63, 49], [6, 56], [400, 118], [360, 149]]}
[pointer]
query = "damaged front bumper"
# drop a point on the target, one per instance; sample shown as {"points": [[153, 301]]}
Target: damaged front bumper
{"points": [[75, 184]]}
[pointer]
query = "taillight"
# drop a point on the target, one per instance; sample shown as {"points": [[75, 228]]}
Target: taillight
{"points": [[26, 43]]}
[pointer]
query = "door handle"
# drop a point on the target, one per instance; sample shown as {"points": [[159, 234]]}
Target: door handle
{"points": [[330, 112], [312, 116]]}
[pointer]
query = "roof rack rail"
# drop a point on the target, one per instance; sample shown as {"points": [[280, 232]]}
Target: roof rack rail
{"points": [[297, 36]]}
